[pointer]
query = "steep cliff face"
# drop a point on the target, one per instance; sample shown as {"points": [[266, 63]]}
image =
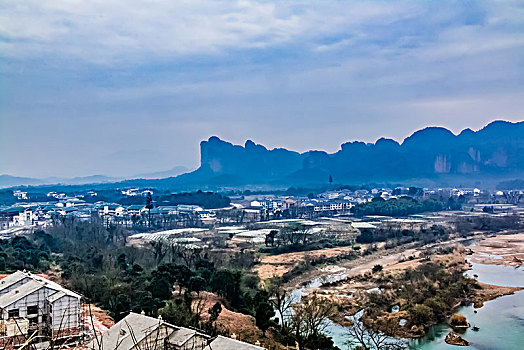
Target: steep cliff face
{"points": [[442, 165], [497, 149], [254, 162]]}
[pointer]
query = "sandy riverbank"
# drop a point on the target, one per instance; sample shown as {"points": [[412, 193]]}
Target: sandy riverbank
{"points": [[507, 250], [489, 292], [277, 265]]}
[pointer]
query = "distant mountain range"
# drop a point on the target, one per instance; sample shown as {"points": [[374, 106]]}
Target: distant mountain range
{"points": [[431, 155], [163, 174], [10, 181], [434, 153]]}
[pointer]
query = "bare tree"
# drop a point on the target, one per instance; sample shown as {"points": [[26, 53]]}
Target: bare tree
{"points": [[281, 299], [360, 337], [310, 318], [159, 250], [294, 234]]}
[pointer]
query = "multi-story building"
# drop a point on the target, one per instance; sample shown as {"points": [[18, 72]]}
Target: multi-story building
{"points": [[17, 216], [34, 307]]}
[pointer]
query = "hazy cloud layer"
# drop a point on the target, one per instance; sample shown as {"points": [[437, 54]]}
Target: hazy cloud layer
{"points": [[83, 81]]}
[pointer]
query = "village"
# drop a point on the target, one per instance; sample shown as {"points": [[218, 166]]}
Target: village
{"points": [[313, 243], [243, 209]]}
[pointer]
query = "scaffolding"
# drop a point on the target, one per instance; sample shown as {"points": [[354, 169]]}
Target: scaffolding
{"points": [[44, 317]]}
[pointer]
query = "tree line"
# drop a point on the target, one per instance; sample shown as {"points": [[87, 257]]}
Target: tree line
{"points": [[403, 206]]}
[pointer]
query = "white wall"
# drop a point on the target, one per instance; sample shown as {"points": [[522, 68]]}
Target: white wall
{"points": [[66, 313]]}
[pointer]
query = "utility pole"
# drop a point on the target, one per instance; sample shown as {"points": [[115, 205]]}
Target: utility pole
{"points": [[149, 206]]}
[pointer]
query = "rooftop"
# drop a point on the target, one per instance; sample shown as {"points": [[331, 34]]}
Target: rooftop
{"points": [[224, 343], [21, 275], [20, 292], [126, 333]]}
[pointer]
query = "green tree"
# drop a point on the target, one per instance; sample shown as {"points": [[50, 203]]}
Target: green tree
{"points": [[214, 312], [197, 283], [263, 314], [227, 284], [421, 314], [178, 312], [160, 288]]}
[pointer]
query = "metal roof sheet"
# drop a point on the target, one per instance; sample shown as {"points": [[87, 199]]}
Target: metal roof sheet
{"points": [[19, 293]]}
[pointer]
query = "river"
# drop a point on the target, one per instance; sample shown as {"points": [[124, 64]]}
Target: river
{"points": [[500, 321]]}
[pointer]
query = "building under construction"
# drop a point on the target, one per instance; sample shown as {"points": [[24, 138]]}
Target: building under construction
{"points": [[141, 332], [38, 313]]}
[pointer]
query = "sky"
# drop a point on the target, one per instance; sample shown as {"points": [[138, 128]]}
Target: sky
{"points": [[121, 87]]}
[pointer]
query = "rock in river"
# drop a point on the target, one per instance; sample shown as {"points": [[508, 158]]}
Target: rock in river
{"points": [[455, 339]]}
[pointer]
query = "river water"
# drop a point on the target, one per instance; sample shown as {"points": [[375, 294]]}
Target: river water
{"points": [[500, 321]]}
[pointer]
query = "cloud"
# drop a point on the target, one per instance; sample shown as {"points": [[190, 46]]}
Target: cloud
{"points": [[118, 75], [102, 31]]}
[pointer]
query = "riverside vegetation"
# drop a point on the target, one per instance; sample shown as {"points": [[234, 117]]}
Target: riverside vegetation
{"points": [[425, 295]]}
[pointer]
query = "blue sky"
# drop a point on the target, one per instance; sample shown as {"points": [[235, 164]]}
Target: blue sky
{"points": [[124, 87]]}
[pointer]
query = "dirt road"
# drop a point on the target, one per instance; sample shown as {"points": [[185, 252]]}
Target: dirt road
{"points": [[389, 259]]}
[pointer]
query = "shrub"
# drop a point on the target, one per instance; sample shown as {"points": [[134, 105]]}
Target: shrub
{"points": [[421, 314], [377, 268], [458, 321]]}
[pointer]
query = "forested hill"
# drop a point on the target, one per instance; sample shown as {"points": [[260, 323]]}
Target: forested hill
{"points": [[495, 151]]}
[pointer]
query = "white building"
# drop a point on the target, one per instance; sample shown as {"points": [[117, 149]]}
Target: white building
{"points": [[255, 204], [20, 194], [186, 208], [138, 331], [17, 216], [130, 192], [38, 305]]}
